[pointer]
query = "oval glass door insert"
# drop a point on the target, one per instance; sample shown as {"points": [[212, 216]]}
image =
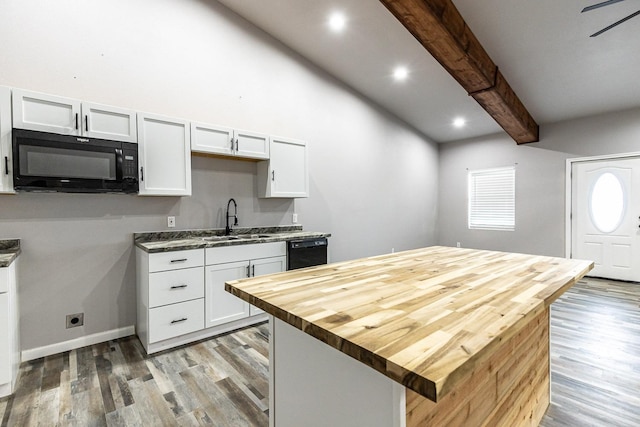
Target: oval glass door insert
{"points": [[607, 203]]}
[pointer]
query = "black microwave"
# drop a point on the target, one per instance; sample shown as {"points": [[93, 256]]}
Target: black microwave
{"points": [[45, 161]]}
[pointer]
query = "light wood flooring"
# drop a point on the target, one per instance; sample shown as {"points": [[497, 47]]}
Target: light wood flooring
{"points": [[595, 374]]}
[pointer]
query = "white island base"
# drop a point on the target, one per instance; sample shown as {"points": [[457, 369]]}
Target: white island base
{"points": [[315, 385]]}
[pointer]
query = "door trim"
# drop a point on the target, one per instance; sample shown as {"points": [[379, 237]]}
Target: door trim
{"points": [[569, 195]]}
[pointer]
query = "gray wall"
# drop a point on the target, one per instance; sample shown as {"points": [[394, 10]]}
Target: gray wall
{"points": [[373, 179], [540, 180]]}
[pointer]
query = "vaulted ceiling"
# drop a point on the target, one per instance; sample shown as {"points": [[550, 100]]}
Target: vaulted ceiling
{"points": [[542, 48]]}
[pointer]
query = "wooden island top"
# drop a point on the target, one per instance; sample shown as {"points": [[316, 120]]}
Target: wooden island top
{"points": [[424, 318]]}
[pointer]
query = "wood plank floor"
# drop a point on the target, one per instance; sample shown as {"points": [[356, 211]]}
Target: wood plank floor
{"points": [[221, 382], [595, 356], [595, 363]]}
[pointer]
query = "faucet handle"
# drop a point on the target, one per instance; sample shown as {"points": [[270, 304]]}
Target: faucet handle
{"points": [[235, 218]]}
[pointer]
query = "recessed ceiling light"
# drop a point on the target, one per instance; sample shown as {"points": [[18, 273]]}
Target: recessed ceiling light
{"points": [[337, 22], [459, 122], [400, 73]]}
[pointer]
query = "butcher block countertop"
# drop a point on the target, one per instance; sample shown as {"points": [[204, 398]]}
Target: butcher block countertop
{"points": [[424, 318]]}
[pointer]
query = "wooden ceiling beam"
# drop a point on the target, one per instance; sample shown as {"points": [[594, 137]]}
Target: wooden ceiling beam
{"points": [[440, 28]]}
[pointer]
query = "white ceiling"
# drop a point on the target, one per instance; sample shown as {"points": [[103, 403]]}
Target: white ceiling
{"points": [[542, 48]]}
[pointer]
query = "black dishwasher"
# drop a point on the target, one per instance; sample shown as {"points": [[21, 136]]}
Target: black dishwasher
{"points": [[306, 252]]}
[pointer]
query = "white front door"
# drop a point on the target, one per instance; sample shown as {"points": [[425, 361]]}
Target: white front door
{"points": [[605, 220]]}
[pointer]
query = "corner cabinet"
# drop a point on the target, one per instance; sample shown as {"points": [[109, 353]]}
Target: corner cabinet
{"points": [[224, 141], [6, 179], [9, 330], [228, 263], [57, 114], [164, 156], [286, 173]]}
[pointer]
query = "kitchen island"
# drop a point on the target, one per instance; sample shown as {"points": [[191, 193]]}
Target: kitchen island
{"points": [[435, 336]]}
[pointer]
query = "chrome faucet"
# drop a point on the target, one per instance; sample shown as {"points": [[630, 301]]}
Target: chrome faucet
{"points": [[235, 216]]}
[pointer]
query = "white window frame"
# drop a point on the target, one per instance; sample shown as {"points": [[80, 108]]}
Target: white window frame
{"points": [[492, 199]]}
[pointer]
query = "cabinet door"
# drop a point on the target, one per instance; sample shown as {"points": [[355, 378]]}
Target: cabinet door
{"points": [[211, 139], [251, 145], [46, 113], [107, 122], [221, 306], [5, 344], [164, 156], [6, 162], [264, 266], [286, 173]]}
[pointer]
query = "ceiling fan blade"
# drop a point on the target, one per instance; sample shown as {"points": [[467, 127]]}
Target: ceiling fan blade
{"points": [[615, 24], [599, 5]]}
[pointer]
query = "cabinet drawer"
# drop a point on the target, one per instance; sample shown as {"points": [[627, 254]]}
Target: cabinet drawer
{"points": [[245, 252], [169, 287], [176, 319], [163, 261]]}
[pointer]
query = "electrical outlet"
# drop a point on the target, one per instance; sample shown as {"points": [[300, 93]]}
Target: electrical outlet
{"points": [[457, 244], [171, 221], [75, 320], [294, 218]]}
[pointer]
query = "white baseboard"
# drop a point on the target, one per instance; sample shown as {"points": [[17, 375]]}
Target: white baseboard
{"points": [[48, 350]]}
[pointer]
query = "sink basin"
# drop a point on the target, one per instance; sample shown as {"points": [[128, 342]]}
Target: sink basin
{"points": [[234, 237], [218, 238]]}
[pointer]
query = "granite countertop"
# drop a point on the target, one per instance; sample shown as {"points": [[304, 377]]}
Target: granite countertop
{"points": [[168, 241], [9, 251], [424, 318]]}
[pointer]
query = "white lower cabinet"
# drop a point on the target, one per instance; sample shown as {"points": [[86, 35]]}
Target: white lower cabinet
{"points": [[232, 263], [170, 292], [181, 295], [222, 307], [9, 338]]}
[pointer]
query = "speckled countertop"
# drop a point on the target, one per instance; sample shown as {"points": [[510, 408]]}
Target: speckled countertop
{"points": [[167, 241], [9, 251]]}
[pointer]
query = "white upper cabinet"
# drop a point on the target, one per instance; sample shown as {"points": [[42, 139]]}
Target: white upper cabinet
{"points": [[251, 144], [214, 139], [107, 122], [164, 156], [57, 114], [6, 163], [286, 173]]}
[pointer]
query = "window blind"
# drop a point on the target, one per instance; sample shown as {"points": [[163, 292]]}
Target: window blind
{"points": [[492, 201]]}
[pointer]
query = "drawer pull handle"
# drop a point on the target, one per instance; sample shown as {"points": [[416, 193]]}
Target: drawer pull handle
{"points": [[179, 287], [173, 322], [178, 260]]}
